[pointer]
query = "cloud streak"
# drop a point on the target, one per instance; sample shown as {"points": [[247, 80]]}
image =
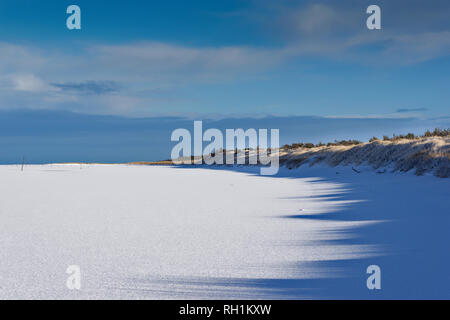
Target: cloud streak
{"points": [[406, 110], [89, 87]]}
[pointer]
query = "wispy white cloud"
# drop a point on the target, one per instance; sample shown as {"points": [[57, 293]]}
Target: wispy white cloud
{"points": [[21, 59], [30, 83], [412, 32], [317, 19], [203, 62], [122, 78]]}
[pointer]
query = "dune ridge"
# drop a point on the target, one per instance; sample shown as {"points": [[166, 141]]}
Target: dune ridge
{"points": [[424, 155]]}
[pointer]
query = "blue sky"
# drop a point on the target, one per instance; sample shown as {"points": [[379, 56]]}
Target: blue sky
{"points": [[219, 58], [310, 68]]}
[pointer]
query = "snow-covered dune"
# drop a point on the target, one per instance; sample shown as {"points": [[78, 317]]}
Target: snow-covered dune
{"points": [[420, 155], [152, 232]]}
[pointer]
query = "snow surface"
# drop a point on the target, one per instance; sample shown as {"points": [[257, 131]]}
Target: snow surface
{"points": [[153, 232]]}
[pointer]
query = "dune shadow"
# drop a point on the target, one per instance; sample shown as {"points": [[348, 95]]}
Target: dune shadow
{"points": [[405, 217]]}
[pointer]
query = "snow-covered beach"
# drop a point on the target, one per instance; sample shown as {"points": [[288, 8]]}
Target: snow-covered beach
{"points": [[157, 232]]}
